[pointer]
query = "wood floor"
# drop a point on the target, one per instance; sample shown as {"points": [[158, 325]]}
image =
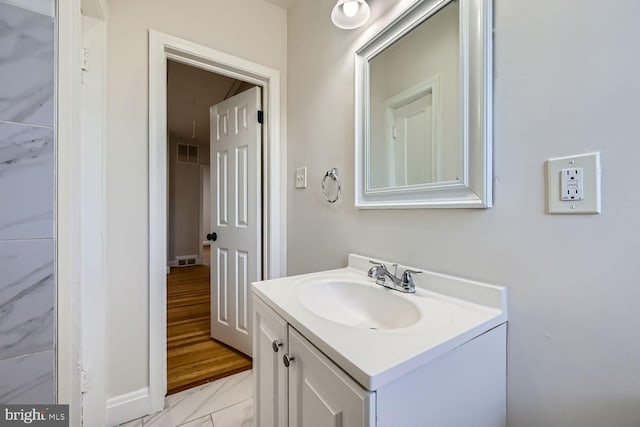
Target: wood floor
{"points": [[193, 358]]}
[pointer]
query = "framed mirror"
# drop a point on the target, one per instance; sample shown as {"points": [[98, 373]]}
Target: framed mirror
{"points": [[424, 109]]}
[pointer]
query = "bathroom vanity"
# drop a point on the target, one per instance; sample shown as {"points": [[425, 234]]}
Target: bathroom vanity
{"points": [[336, 349]]}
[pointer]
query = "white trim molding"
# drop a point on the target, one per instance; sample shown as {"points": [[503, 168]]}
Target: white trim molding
{"points": [[68, 210], [127, 407], [204, 176], [175, 263], [161, 48], [92, 225]]}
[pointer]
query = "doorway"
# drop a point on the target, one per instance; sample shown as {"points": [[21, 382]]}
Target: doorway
{"points": [[162, 48], [200, 350]]}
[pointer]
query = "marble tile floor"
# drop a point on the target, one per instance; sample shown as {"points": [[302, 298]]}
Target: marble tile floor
{"points": [[227, 402]]}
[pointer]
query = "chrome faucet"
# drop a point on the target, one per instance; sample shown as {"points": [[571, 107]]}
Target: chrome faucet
{"points": [[404, 283]]}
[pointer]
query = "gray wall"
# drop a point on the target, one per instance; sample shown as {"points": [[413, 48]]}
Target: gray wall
{"points": [[27, 355], [566, 82], [184, 200]]}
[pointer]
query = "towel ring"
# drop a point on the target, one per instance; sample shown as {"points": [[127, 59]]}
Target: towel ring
{"points": [[333, 174]]}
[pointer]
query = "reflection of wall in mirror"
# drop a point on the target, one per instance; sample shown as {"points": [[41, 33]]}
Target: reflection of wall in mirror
{"points": [[430, 50]]}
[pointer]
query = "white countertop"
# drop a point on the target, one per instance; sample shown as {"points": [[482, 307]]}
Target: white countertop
{"points": [[453, 311]]}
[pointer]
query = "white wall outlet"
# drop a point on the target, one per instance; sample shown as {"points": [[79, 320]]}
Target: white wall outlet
{"points": [[301, 177], [573, 184]]}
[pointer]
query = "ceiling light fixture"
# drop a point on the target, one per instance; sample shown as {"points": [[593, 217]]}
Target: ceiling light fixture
{"points": [[350, 14]]}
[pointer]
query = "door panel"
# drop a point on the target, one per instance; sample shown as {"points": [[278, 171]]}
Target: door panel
{"points": [[235, 181], [222, 278], [242, 288], [320, 394], [319, 410], [242, 157], [221, 190], [270, 375]]}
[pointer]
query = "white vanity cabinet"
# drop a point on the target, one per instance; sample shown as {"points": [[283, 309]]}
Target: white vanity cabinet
{"points": [[271, 381], [359, 354], [465, 387], [312, 391]]}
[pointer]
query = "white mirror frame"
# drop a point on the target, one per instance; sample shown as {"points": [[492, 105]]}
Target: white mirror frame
{"points": [[474, 189]]}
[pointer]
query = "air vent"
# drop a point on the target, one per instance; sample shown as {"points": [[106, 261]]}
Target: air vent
{"points": [[184, 261], [188, 154]]}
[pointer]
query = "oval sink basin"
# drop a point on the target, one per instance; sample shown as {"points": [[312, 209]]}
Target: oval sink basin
{"points": [[358, 304]]}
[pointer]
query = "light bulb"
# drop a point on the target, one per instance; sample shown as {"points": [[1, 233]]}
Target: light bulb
{"points": [[349, 14], [350, 8]]}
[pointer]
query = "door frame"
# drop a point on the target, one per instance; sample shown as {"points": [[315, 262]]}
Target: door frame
{"points": [[69, 347], [161, 48], [204, 175]]}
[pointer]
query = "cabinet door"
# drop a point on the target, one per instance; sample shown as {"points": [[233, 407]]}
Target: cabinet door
{"points": [[270, 375], [320, 394]]}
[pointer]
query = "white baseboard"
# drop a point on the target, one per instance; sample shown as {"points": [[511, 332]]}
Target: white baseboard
{"points": [[128, 406], [175, 262]]}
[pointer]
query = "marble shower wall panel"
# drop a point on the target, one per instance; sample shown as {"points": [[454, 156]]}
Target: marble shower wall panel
{"points": [[27, 379], [26, 66], [45, 7], [26, 297], [26, 181]]}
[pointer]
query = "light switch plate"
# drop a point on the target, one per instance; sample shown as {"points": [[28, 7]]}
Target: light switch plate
{"points": [[586, 168], [301, 177]]}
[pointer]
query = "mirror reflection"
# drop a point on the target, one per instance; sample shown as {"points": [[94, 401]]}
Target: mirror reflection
{"points": [[415, 110]]}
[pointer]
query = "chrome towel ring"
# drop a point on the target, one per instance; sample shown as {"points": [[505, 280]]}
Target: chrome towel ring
{"points": [[333, 174]]}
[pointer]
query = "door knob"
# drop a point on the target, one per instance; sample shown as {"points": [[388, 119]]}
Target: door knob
{"points": [[212, 236], [286, 359], [276, 345]]}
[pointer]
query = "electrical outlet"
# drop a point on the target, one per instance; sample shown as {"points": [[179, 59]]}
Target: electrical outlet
{"points": [[301, 177], [573, 184]]}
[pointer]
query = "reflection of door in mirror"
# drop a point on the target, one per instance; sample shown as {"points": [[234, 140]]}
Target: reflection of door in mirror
{"points": [[411, 132], [415, 132]]}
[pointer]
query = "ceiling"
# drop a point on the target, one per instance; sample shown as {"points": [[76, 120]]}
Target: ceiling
{"points": [[285, 4], [190, 94]]}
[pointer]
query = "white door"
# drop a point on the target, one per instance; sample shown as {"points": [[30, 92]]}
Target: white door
{"points": [[236, 220]]}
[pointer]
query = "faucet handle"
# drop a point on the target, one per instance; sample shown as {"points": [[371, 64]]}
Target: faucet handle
{"points": [[407, 273], [384, 267], [377, 266], [375, 270], [407, 278]]}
